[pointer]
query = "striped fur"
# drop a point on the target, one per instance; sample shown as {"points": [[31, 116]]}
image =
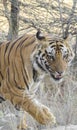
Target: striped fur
{"points": [[23, 64]]}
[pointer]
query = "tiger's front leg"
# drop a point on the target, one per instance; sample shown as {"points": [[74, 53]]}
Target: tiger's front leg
{"points": [[40, 112]]}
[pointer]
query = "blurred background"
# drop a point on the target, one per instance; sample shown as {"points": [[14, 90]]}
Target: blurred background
{"points": [[59, 18]]}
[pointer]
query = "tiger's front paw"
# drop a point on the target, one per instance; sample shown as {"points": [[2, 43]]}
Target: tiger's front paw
{"points": [[44, 116], [22, 127]]}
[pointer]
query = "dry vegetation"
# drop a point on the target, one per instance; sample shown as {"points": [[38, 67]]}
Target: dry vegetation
{"points": [[53, 16], [56, 17]]}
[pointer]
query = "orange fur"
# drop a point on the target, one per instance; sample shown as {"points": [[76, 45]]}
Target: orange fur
{"points": [[16, 74]]}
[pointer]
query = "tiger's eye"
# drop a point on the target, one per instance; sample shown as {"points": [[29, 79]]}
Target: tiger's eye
{"points": [[51, 57]]}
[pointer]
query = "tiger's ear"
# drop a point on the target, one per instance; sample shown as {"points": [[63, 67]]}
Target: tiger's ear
{"points": [[40, 36], [68, 37]]}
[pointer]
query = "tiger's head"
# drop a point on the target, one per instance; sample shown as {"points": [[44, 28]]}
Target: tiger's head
{"points": [[54, 57]]}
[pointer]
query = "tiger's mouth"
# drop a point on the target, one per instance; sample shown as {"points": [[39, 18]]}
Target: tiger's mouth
{"points": [[57, 77]]}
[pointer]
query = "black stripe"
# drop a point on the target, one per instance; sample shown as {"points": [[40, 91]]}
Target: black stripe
{"points": [[25, 80], [39, 52], [12, 45], [1, 75], [17, 107], [35, 75], [23, 63], [61, 45], [51, 42], [39, 65], [11, 85], [7, 45], [16, 85], [1, 99], [29, 43], [47, 66], [43, 54], [53, 46], [16, 69], [21, 43]]}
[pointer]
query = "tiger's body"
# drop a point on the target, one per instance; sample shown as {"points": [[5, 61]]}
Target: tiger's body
{"points": [[23, 64]]}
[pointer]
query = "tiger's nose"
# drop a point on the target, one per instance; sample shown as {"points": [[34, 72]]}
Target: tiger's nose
{"points": [[60, 72]]}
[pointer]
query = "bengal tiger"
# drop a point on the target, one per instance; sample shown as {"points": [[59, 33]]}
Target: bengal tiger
{"points": [[24, 63]]}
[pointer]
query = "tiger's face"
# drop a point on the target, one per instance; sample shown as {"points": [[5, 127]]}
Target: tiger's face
{"points": [[54, 57]]}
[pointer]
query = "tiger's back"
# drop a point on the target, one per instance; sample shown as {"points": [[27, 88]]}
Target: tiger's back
{"points": [[15, 53]]}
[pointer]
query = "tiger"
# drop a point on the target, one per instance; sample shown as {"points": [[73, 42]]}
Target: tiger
{"points": [[24, 62]]}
